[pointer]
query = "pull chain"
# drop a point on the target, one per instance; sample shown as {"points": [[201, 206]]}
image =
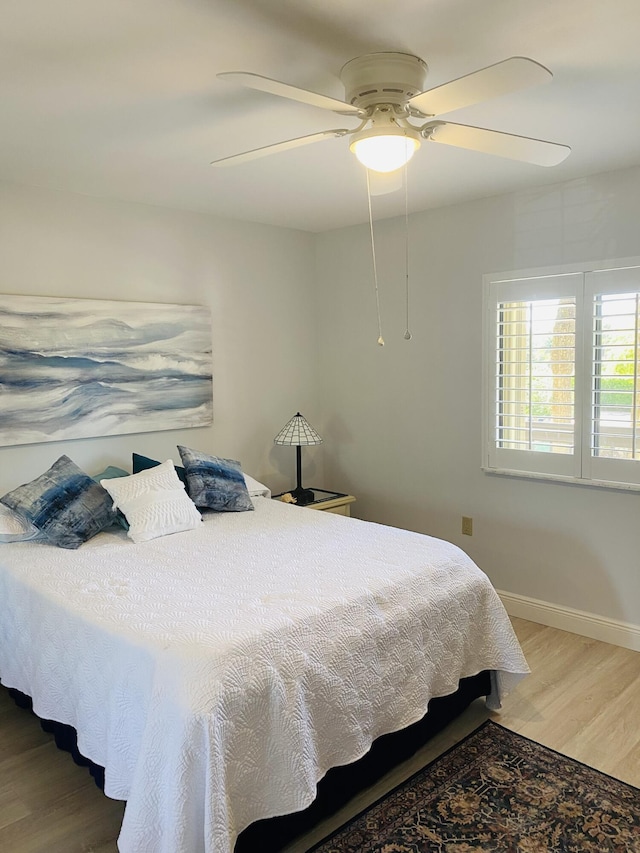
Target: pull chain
{"points": [[375, 267], [407, 334]]}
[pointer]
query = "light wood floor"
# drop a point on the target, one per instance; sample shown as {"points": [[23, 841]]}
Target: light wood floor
{"points": [[582, 699]]}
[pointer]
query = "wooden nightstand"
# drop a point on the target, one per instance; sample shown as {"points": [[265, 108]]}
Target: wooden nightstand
{"points": [[339, 505], [335, 502]]}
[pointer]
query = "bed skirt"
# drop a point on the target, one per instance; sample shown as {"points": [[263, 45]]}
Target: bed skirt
{"points": [[338, 786]]}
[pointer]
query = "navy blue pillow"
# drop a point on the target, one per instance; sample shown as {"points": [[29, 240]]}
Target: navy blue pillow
{"points": [[215, 483], [64, 503], [142, 463]]}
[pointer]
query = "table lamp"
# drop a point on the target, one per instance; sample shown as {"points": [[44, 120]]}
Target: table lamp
{"points": [[298, 432]]}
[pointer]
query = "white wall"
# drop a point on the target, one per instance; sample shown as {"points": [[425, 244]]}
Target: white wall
{"points": [[256, 280], [402, 423]]}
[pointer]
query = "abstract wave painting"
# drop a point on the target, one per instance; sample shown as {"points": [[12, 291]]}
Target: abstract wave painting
{"points": [[80, 368]]}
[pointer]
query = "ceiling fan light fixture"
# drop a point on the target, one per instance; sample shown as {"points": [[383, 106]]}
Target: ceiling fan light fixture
{"points": [[385, 91], [385, 151]]}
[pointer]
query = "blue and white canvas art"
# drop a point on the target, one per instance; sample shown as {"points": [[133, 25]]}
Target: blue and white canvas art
{"points": [[78, 368]]}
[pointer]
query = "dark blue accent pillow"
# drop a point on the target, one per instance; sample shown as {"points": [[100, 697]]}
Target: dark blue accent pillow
{"points": [[215, 483], [142, 463], [64, 503]]}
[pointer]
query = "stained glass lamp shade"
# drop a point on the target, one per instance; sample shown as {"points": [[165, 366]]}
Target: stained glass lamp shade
{"points": [[296, 433]]}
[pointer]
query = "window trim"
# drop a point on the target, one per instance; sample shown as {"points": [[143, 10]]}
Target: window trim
{"points": [[579, 470]]}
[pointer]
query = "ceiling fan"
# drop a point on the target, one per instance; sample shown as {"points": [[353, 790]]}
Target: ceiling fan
{"points": [[385, 91]]}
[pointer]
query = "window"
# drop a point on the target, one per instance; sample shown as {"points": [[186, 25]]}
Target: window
{"points": [[562, 370]]}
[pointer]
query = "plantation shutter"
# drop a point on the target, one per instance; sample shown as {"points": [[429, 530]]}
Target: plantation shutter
{"points": [[614, 405], [533, 375]]}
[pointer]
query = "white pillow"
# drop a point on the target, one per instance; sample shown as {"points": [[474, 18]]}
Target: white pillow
{"points": [[255, 488], [14, 528], [154, 502]]}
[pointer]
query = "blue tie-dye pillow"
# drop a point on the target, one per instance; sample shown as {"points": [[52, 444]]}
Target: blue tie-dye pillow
{"points": [[15, 528], [215, 483], [64, 503]]}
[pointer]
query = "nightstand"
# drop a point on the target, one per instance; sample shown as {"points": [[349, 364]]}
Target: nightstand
{"points": [[335, 502], [338, 504]]}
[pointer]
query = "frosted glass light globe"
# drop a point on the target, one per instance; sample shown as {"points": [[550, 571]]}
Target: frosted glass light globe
{"points": [[384, 152]]}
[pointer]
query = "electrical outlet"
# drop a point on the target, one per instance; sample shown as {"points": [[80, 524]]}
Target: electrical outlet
{"points": [[467, 526]]}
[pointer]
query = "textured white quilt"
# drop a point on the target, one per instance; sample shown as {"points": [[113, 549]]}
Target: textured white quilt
{"points": [[218, 673]]}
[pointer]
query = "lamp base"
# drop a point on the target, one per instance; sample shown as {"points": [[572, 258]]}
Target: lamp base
{"points": [[303, 496]]}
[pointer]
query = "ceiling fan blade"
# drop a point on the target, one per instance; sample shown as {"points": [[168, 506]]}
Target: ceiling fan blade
{"points": [[284, 90], [504, 77], [524, 148], [255, 153]]}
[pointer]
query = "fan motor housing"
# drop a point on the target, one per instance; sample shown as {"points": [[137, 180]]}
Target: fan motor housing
{"points": [[388, 77]]}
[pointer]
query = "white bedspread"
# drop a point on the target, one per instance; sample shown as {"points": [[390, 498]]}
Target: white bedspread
{"points": [[217, 674]]}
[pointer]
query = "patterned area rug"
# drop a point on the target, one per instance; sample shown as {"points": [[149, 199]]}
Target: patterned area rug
{"points": [[498, 791]]}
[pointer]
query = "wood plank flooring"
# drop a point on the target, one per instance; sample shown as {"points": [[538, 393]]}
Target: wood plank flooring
{"points": [[581, 699]]}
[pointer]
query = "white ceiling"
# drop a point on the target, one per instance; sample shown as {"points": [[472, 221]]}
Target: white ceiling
{"points": [[119, 98]]}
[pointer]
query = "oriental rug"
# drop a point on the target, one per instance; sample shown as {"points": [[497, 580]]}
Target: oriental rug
{"points": [[498, 791]]}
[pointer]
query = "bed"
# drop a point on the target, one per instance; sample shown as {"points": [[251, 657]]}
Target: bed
{"points": [[217, 674]]}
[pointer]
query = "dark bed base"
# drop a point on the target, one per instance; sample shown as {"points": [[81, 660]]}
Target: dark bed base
{"points": [[338, 786]]}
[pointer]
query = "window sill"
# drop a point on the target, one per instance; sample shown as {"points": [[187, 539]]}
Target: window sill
{"points": [[558, 478]]}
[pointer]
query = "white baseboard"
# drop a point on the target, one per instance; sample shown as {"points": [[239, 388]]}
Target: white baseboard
{"points": [[576, 621]]}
